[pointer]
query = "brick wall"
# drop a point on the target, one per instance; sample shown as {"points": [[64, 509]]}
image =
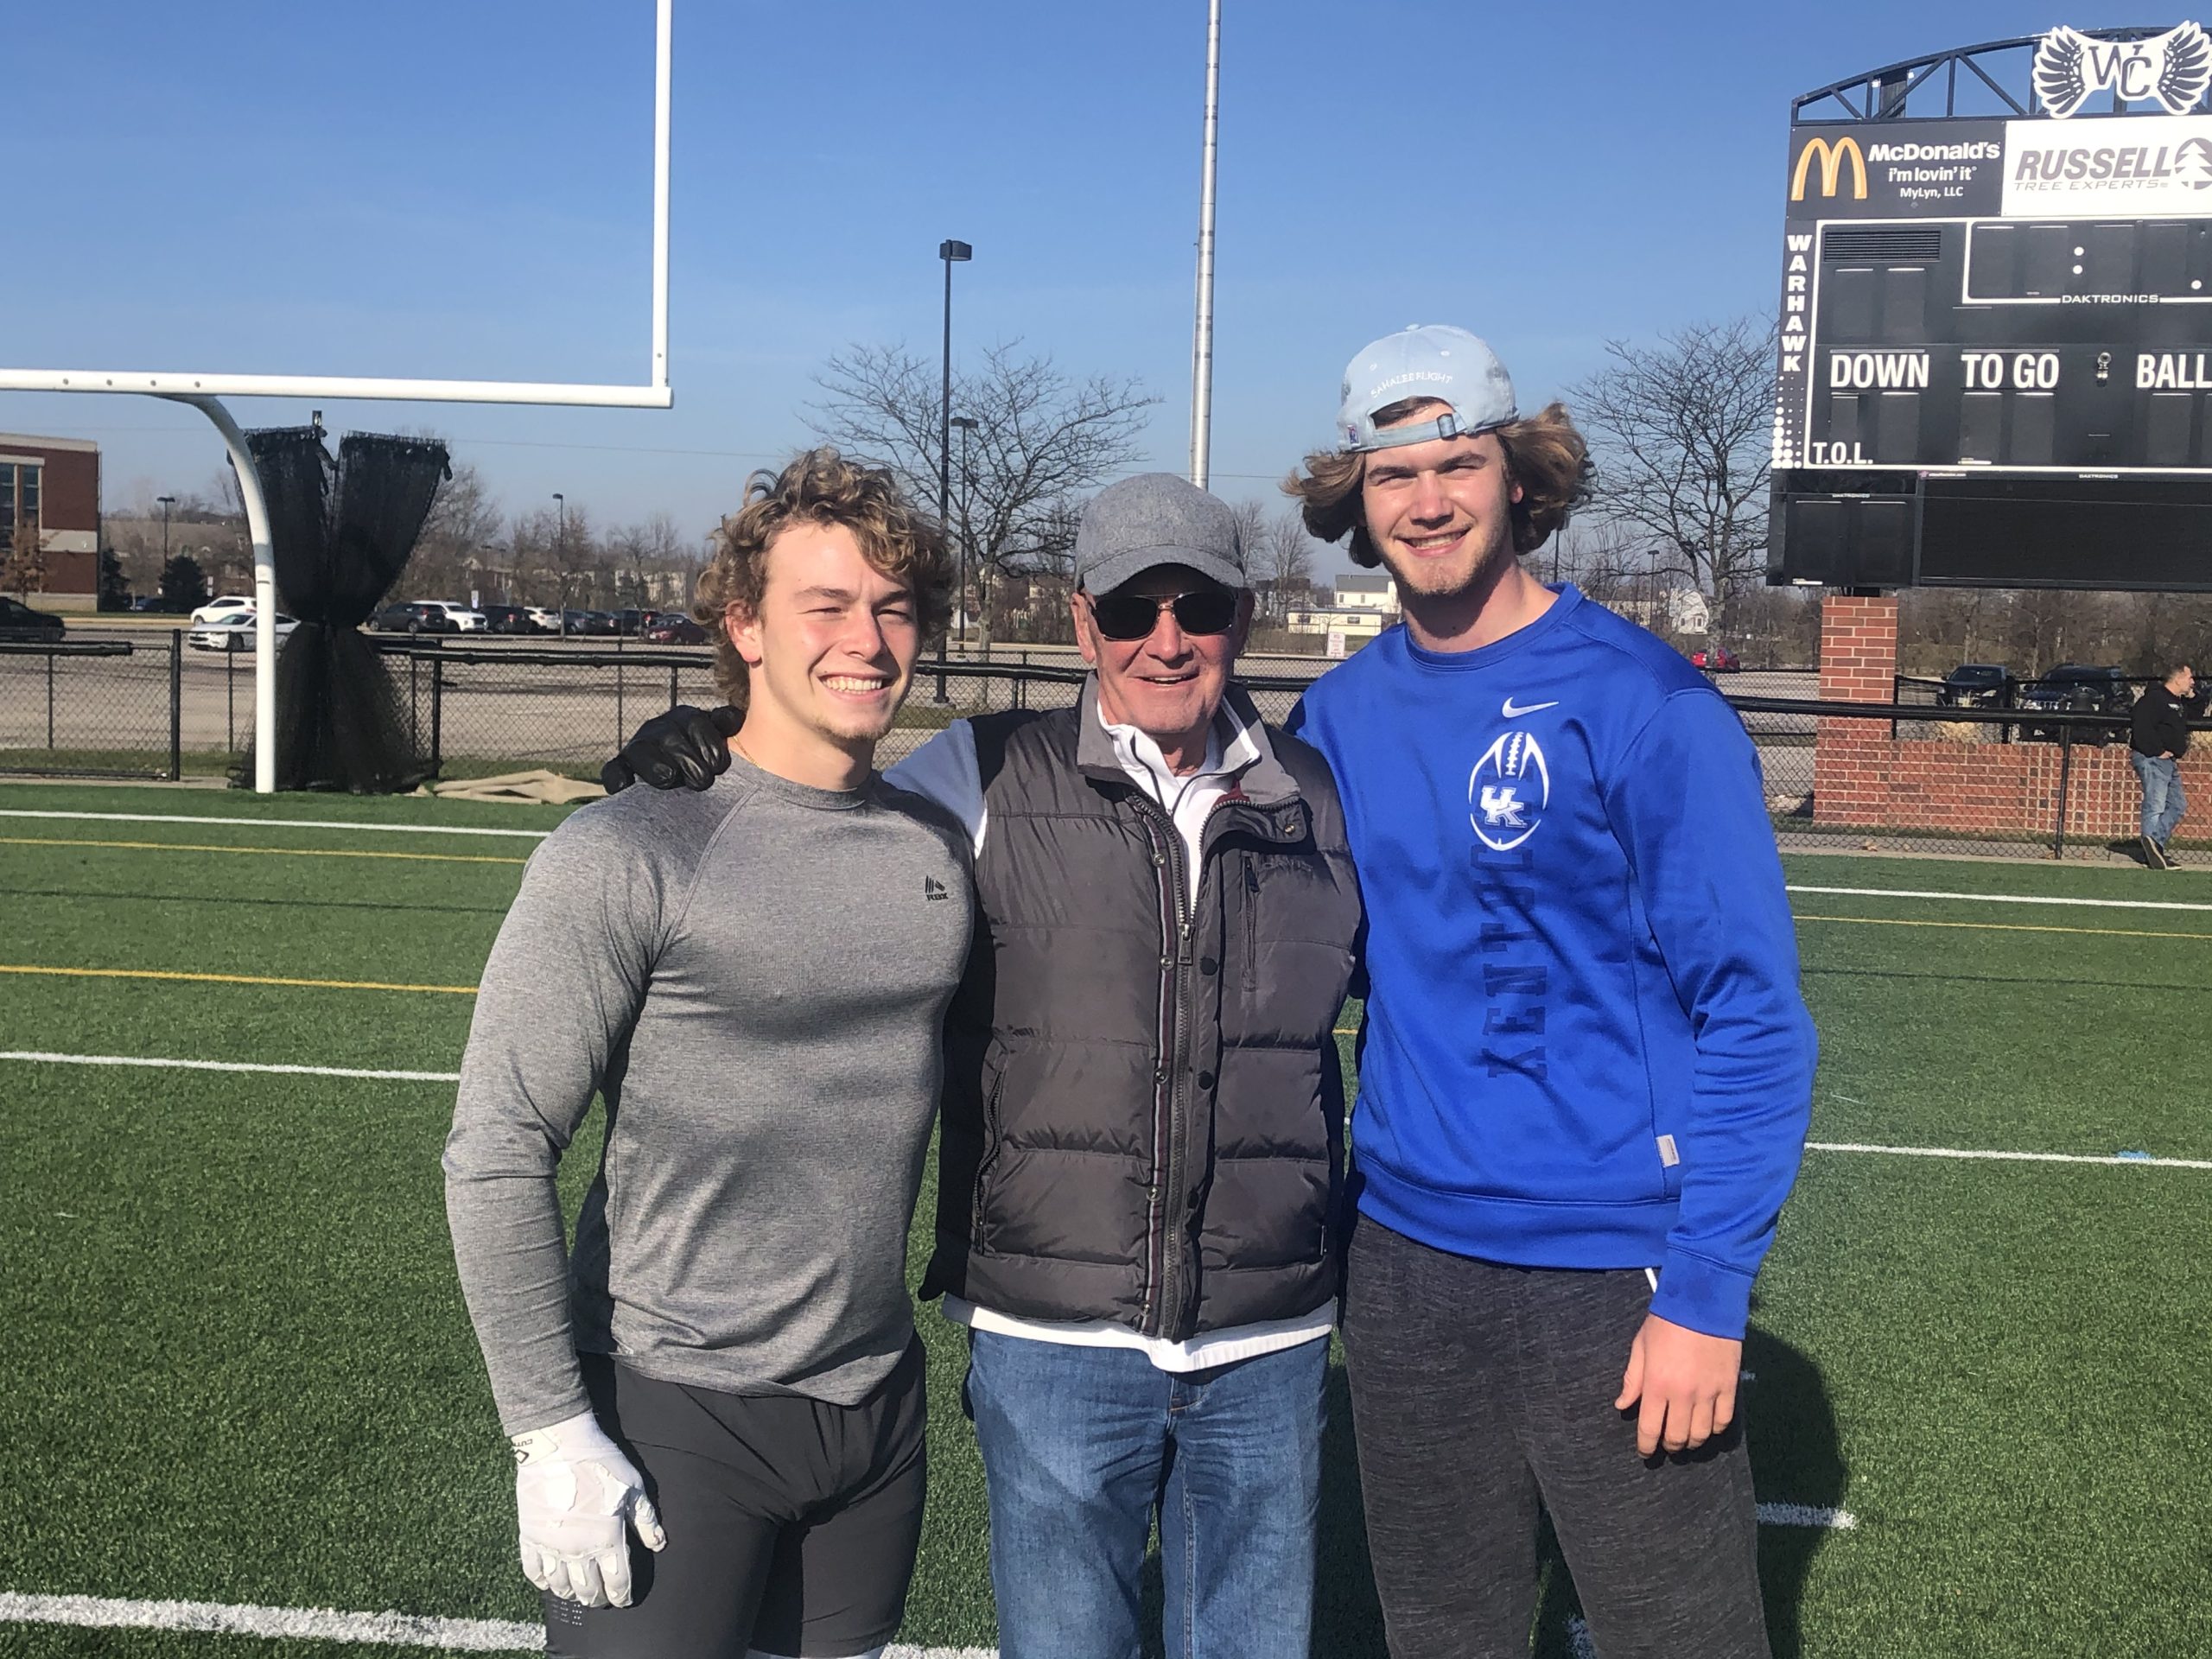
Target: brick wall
{"points": [[1957, 778]]}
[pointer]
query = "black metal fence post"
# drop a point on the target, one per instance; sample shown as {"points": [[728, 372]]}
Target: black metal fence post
{"points": [[176, 705], [2065, 772], [49, 701], [231, 701], [671, 685], [437, 713], [619, 728]]}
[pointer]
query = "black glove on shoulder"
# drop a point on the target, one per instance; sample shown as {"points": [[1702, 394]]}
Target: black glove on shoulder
{"points": [[686, 748]]}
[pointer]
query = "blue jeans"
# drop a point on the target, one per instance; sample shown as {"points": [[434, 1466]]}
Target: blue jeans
{"points": [[1080, 1445], [2163, 805]]}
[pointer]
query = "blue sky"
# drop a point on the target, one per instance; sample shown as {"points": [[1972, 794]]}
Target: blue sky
{"points": [[463, 188]]}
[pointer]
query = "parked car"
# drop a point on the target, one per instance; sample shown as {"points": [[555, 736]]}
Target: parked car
{"points": [[217, 608], [673, 628], [594, 622], [512, 619], [19, 621], [2077, 688], [414, 616], [150, 602], [631, 622], [545, 621], [466, 618], [234, 631], [1717, 659], [1978, 685]]}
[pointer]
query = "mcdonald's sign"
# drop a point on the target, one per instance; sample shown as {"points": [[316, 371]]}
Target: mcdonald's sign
{"points": [[1831, 159]]}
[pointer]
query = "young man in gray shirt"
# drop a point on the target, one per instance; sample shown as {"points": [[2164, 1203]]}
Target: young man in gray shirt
{"points": [[753, 978]]}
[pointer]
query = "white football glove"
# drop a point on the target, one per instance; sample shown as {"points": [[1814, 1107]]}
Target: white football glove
{"points": [[574, 1491]]}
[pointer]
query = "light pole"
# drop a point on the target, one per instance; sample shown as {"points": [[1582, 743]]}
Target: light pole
{"points": [[967, 424], [1202, 330], [952, 253]]}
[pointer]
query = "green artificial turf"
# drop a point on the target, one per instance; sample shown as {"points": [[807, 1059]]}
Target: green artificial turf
{"points": [[240, 1371]]}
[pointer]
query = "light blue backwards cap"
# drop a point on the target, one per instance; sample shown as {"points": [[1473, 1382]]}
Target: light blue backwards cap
{"points": [[1433, 360]]}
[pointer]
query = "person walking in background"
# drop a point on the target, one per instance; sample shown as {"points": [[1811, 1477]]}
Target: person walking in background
{"points": [[2158, 737]]}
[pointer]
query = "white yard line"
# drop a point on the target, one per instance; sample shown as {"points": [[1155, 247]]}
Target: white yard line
{"points": [[227, 1065], [316, 1624], [2003, 898], [2010, 1157], [161, 1062], [324, 1624], [278, 823]]}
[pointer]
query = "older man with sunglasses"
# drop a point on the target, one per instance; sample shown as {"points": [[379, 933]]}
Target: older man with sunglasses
{"points": [[1142, 1129]]}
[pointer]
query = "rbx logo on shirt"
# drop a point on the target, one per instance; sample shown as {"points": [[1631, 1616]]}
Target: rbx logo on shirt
{"points": [[1508, 792]]}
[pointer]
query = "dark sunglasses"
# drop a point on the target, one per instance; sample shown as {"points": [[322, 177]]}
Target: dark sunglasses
{"points": [[1134, 616]]}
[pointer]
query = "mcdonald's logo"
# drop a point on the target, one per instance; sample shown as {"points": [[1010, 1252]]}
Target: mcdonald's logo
{"points": [[1833, 156]]}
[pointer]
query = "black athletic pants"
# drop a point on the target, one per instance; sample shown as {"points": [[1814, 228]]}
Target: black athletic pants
{"points": [[1479, 1390], [792, 1524]]}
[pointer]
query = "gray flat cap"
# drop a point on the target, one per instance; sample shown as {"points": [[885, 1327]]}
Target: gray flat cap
{"points": [[1151, 520]]}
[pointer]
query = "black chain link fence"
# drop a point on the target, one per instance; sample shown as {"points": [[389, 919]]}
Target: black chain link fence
{"points": [[1913, 776], [93, 707]]}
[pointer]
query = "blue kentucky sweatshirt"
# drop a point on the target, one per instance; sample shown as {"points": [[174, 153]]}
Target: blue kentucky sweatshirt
{"points": [[1584, 1044]]}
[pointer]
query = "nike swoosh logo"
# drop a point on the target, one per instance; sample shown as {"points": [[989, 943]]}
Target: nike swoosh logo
{"points": [[1512, 713]]}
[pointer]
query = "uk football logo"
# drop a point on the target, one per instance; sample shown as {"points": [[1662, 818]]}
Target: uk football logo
{"points": [[1508, 792]]}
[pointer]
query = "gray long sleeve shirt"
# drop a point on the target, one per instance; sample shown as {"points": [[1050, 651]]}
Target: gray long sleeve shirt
{"points": [[753, 978]]}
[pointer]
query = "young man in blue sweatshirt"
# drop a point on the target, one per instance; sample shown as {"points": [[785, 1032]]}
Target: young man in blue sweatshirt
{"points": [[1585, 1072]]}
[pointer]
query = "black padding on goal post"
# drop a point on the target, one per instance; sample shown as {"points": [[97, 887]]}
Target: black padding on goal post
{"points": [[341, 532]]}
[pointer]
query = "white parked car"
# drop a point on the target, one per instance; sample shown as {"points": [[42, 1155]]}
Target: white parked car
{"points": [[216, 609], [542, 618], [466, 619], [234, 631]]}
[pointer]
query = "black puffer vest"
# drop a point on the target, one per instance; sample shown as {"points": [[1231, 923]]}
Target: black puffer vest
{"points": [[1143, 1113]]}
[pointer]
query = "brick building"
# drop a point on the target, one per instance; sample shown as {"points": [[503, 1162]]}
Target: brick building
{"points": [[50, 490]]}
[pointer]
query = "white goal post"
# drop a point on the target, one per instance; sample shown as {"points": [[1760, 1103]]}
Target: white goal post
{"points": [[203, 391]]}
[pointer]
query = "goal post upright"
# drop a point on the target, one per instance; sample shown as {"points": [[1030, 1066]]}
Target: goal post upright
{"points": [[205, 391]]}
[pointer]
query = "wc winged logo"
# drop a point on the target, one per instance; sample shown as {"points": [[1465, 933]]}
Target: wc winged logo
{"points": [[1831, 158], [2174, 68]]}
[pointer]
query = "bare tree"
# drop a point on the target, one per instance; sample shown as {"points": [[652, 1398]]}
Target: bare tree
{"points": [[1683, 431], [1602, 556], [460, 536], [22, 555], [1280, 558], [1040, 440]]}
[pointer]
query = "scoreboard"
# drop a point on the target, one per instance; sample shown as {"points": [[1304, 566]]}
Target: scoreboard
{"points": [[1995, 350]]}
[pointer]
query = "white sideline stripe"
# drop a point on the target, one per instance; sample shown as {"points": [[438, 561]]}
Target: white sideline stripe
{"points": [[228, 1065], [324, 1624], [2003, 897], [318, 1623], [278, 823], [2013, 1157]]}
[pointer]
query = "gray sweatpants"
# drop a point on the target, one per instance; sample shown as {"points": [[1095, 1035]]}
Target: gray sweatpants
{"points": [[1480, 1390]]}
